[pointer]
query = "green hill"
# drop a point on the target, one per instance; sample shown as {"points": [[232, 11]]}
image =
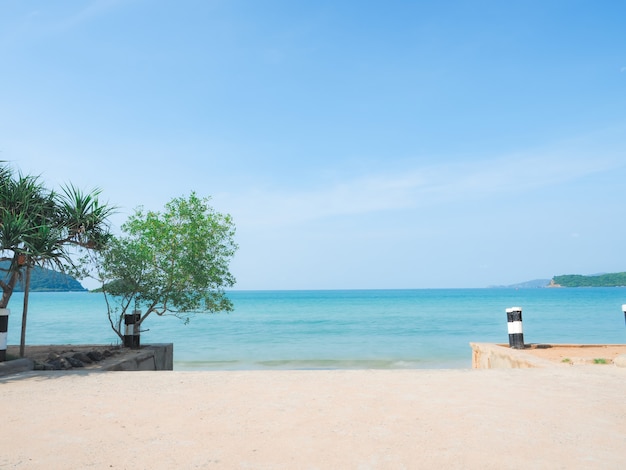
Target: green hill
{"points": [[47, 280], [601, 280]]}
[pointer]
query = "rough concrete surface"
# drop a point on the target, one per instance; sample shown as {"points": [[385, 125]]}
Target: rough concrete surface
{"points": [[495, 356]]}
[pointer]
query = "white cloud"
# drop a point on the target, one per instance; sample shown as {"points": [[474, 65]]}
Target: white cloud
{"points": [[425, 186]]}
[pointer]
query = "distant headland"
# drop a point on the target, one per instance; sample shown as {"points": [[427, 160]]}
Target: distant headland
{"points": [[599, 280], [575, 280], [47, 280]]}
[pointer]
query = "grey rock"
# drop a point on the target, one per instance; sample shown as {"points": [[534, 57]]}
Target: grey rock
{"points": [[82, 357], [53, 365], [59, 364], [74, 362], [95, 356], [53, 357]]}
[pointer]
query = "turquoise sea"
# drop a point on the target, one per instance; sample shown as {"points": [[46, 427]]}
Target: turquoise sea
{"points": [[344, 329]]}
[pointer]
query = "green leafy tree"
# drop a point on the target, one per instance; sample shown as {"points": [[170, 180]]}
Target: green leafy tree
{"points": [[174, 262], [41, 227]]}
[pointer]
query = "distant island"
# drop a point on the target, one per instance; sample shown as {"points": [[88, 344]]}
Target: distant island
{"points": [[47, 280], [574, 280], [600, 280], [535, 283]]}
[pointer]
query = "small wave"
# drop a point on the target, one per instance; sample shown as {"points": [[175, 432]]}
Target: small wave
{"points": [[331, 364], [207, 365], [301, 364]]}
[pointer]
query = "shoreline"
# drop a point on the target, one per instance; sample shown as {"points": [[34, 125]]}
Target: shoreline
{"points": [[322, 364], [556, 354], [316, 419]]}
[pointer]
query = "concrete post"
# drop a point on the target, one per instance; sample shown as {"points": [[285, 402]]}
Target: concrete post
{"points": [[4, 328], [516, 333], [131, 335]]}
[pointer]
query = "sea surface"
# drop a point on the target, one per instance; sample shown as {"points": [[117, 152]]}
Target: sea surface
{"points": [[339, 329]]}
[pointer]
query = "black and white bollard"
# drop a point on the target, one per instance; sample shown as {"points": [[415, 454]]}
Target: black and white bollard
{"points": [[131, 334], [4, 328], [516, 333]]}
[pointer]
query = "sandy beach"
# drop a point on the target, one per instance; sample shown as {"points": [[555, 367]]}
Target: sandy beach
{"points": [[531, 418]]}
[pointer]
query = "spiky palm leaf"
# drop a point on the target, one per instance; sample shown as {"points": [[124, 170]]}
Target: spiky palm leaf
{"points": [[36, 225], [84, 217]]}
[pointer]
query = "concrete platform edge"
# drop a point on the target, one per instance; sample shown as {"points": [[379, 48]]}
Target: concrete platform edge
{"points": [[158, 356]]}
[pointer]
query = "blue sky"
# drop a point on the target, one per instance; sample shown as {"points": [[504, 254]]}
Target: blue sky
{"points": [[397, 144]]}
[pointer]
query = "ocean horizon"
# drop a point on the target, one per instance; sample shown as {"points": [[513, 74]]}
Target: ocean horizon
{"points": [[339, 329]]}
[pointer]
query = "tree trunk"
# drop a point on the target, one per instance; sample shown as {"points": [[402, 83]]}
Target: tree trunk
{"points": [[7, 289], [25, 310]]}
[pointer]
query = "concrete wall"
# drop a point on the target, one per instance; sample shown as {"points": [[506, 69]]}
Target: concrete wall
{"points": [[15, 366], [495, 356], [149, 357]]}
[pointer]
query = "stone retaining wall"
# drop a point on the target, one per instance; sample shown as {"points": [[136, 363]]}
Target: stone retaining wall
{"points": [[148, 357]]}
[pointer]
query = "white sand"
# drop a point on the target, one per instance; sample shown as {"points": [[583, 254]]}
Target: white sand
{"points": [[539, 418]]}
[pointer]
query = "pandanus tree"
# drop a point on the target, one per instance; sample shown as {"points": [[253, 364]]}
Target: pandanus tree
{"points": [[41, 227]]}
